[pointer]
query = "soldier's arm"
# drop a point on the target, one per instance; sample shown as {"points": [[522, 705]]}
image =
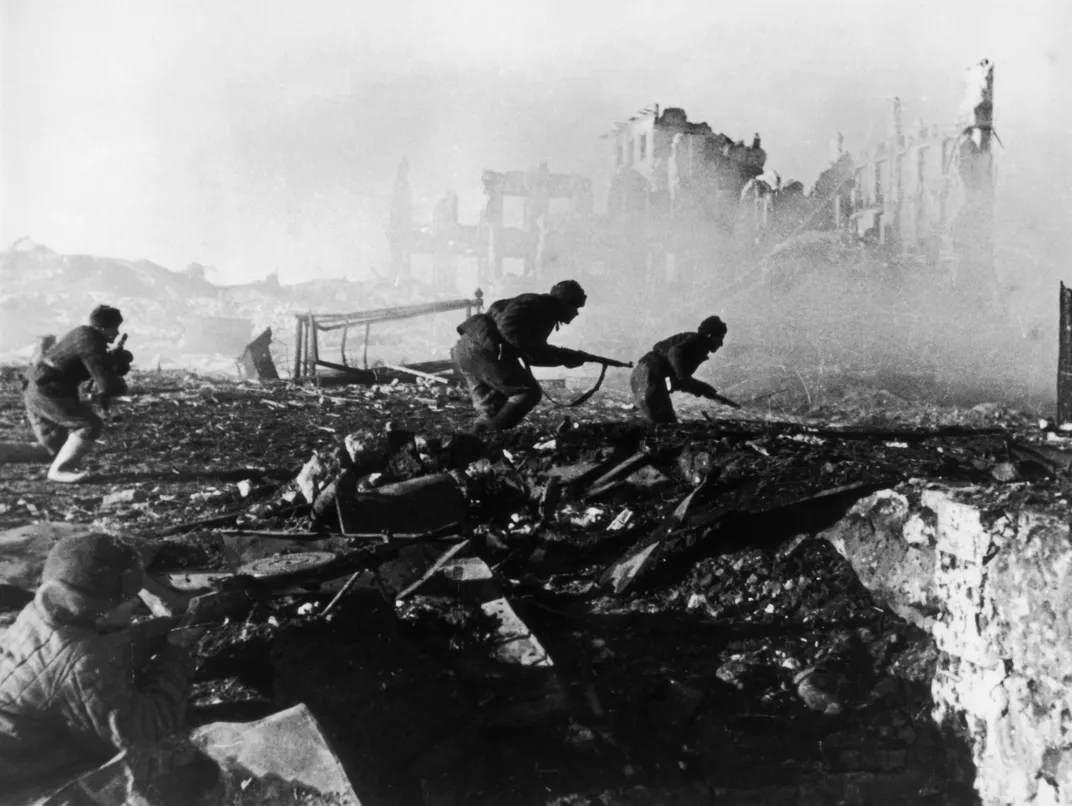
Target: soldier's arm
{"points": [[99, 366], [110, 704], [520, 330], [682, 360], [699, 388]]}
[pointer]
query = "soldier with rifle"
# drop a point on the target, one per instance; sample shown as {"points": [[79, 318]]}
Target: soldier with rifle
{"points": [[497, 349], [65, 425], [674, 360]]}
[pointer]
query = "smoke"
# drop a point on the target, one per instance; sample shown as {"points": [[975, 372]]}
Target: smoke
{"points": [[261, 136]]}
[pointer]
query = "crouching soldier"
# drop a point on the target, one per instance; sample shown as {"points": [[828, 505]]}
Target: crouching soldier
{"points": [[494, 344], [675, 359], [65, 425], [74, 692]]}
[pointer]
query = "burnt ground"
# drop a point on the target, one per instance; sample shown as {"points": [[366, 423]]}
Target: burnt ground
{"points": [[747, 665]]}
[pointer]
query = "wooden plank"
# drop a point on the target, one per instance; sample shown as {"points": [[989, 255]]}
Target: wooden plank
{"points": [[417, 372]]}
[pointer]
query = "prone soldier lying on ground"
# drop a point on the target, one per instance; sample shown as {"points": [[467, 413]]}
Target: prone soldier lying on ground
{"points": [[497, 349], [62, 423], [675, 360], [77, 684]]}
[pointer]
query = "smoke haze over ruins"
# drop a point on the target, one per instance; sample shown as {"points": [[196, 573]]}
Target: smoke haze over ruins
{"points": [[255, 136], [765, 496]]}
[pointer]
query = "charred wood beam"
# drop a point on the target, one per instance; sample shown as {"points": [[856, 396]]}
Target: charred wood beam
{"points": [[952, 431], [410, 370], [203, 523], [1064, 358], [299, 326], [363, 375], [225, 519]]}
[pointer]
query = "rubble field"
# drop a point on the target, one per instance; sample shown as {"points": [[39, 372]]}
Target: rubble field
{"points": [[622, 614]]}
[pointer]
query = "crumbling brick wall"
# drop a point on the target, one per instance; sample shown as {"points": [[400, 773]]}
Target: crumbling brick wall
{"points": [[994, 590]]}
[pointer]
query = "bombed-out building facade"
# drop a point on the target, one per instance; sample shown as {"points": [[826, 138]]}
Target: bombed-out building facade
{"points": [[674, 189], [680, 202]]}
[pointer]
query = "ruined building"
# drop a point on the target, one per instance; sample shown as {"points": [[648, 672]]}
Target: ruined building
{"points": [[674, 197], [688, 205], [927, 190], [665, 164]]}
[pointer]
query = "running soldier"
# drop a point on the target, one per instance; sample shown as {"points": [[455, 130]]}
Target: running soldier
{"points": [[676, 359], [65, 425], [497, 348]]}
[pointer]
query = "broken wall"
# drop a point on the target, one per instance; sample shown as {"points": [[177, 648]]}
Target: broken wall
{"points": [[994, 589]]}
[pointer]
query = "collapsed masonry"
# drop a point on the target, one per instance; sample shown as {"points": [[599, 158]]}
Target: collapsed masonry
{"points": [[994, 591]]}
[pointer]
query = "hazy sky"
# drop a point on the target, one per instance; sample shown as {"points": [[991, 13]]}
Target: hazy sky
{"points": [[258, 134]]}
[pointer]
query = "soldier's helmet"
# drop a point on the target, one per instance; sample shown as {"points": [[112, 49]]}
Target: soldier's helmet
{"points": [[712, 326], [569, 292]]}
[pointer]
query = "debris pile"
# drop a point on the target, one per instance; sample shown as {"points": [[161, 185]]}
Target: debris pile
{"points": [[576, 611]]}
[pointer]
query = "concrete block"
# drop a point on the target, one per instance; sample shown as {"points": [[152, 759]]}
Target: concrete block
{"points": [[1030, 596], [960, 530]]}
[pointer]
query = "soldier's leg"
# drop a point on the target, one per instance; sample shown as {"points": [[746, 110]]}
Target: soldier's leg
{"points": [[502, 390], [523, 395], [486, 400], [651, 396], [79, 424], [474, 365], [50, 435]]}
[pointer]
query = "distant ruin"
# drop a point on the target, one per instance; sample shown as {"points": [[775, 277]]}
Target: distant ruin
{"points": [[686, 203]]}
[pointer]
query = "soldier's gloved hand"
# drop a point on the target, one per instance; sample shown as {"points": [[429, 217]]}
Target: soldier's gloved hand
{"points": [[573, 362]]}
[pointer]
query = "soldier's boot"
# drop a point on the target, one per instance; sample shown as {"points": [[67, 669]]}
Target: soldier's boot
{"points": [[74, 450]]}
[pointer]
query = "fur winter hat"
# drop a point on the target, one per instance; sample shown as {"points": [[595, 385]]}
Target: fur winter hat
{"points": [[105, 316], [100, 567]]}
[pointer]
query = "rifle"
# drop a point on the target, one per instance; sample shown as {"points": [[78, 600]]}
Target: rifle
{"points": [[592, 358], [587, 358], [724, 400]]}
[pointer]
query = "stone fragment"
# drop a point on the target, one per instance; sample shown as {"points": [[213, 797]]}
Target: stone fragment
{"points": [[132, 496], [821, 690]]}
